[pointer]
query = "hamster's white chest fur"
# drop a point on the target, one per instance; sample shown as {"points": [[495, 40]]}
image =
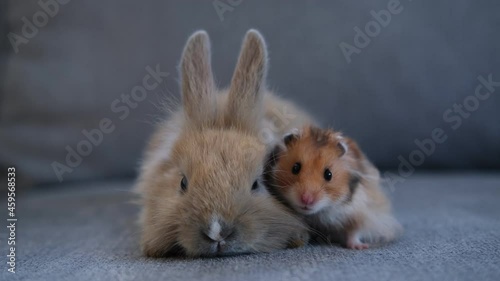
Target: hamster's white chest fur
{"points": [[336, 214]]}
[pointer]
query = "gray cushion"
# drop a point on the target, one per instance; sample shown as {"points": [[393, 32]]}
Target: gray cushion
{"points": [[87, 232], [393, 92]]}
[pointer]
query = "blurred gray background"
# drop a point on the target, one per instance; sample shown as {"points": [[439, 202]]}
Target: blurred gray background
{"points": [[84, 56], [68, 66]]}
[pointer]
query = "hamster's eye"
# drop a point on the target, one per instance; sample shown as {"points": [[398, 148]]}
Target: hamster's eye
{"points": [[328, 175], [255, 185], [184, 184], [296, 168]]}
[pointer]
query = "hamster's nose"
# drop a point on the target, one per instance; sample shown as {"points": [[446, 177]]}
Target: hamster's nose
{"points": [[307, 199]]}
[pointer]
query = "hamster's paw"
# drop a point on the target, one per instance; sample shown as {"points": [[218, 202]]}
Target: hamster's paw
{"points": [[354, 243], [357, 246]]}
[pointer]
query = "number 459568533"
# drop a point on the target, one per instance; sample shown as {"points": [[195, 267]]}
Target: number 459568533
{"points": [[11, 186]]}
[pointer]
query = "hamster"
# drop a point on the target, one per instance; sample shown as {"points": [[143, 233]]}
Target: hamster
{"points": [[328, 180]]}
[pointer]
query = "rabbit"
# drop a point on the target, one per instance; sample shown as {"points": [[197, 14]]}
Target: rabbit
{"points": [[200, 179]]}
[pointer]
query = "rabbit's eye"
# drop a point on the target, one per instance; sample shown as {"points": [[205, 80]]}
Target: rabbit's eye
{"points": [[328, 175], [296, 168], [184, 184], [255, 185]]}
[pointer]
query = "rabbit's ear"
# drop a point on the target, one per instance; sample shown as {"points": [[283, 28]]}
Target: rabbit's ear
{"points": [[244, 106], [197, 82]]}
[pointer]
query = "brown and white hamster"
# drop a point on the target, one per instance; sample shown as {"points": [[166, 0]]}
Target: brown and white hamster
{"points": [[326, 178]]}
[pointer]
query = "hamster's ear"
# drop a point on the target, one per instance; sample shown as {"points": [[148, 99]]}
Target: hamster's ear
{"points": [[291, 137], [244, 106], [342, 145], [197, 82]]}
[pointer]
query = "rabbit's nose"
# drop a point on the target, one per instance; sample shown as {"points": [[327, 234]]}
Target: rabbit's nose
{"points": [[217, 232]]}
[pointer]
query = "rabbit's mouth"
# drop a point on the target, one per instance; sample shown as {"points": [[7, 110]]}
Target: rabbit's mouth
{"points": [[223, 248], [219, 247], [208, 245]]}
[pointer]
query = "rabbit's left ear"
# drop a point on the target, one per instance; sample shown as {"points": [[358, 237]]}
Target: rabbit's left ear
{"points": [[244, 106]]}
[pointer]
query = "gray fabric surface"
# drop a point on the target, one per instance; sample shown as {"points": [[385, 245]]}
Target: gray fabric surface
{"points": [[395, 91], [87, 232]]}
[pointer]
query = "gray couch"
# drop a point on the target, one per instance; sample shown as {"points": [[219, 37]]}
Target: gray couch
{"points": [[415, 82]]}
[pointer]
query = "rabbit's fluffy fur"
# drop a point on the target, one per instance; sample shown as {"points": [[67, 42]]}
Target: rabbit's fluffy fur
{"points": [[219, 141]]}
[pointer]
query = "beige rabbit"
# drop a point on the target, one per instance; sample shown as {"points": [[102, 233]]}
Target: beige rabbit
{"points": [[200, 179]]}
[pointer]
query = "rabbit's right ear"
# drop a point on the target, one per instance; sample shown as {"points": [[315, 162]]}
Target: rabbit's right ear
{"points": [[197, 82], [244, 109]]}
